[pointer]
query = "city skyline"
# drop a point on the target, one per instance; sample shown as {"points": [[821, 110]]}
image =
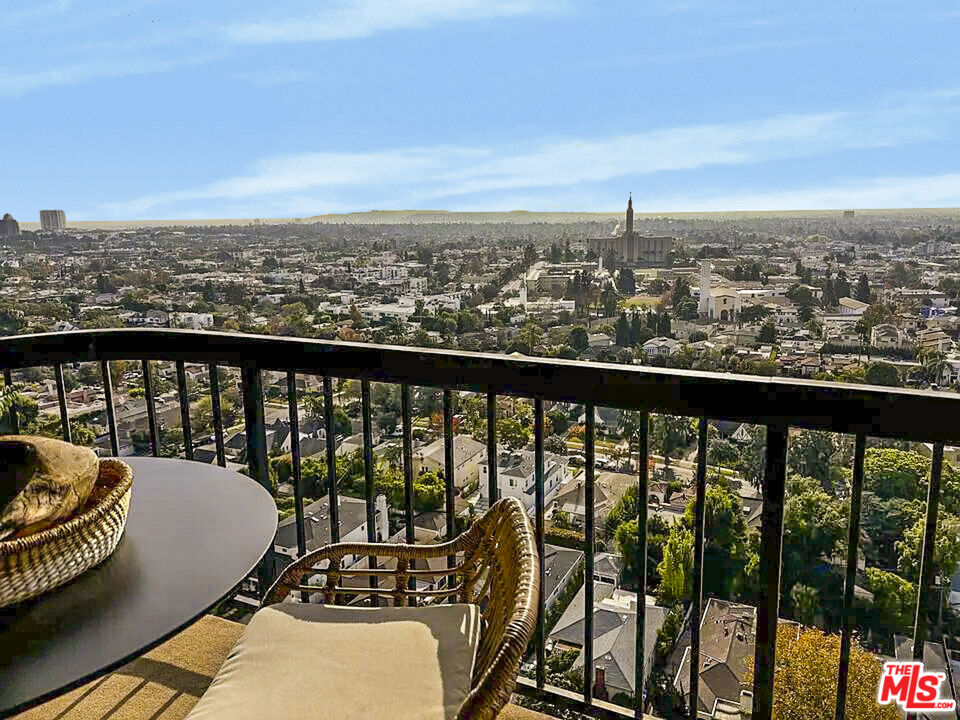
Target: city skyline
{"points": [[164, 110]]}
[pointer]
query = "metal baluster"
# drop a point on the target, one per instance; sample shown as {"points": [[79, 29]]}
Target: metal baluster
{"points": [[926, 554], [62, 398], [588, 452], [217, 417], [641, 561], [408, 473], [771, 543], [853, 539], [12, 418], [255, 431], [698, 542], [408, 470], [539, 510], [184, 410], [295, 460], [368, 480], [111, 412], [331, 460], [448, 477], [493, 490], [151, 408]]}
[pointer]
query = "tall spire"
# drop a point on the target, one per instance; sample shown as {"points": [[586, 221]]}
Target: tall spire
{"points": [[630, 214]]}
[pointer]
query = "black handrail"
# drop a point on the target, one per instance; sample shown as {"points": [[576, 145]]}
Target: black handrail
{"points": [[776, 403]]}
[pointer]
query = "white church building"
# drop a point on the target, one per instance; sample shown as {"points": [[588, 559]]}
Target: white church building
{"points": [[720, 303]]}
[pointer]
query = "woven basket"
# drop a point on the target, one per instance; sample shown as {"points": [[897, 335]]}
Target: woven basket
{"points": [[34, 564]]}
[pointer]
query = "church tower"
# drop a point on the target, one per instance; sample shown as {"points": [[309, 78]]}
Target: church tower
{"points": [[704, 306], [630, 215]]}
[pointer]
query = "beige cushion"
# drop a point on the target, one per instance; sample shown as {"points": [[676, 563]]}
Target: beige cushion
{"points": [[316, 661]]}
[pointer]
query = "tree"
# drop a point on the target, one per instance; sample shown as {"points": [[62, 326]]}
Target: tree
{"points": [[669, 433], [676, 568], [894, 599], [663, 325], [946, 552], [814, 522], [555, 444], [560, 420], [842, 285], [721, 451], [341, 422], [623, 330], [862, 291], [530, 335], [891, 473], [753, 313], [697, 336], [511, 433], [578, 339], [627, 282], [727, 553], [806, 603], [808, 663], [810, 454], [881, 373], [753, 455], [768, 333]]}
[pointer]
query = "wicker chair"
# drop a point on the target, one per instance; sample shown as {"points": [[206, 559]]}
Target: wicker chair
{"points": [[495, 566]]}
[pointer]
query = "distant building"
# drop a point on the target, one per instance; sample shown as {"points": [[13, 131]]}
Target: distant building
{"points": [[467, 454], [727, 638], [53, 220], [191, 320], [632, 248], [661, 347], [614, 636], [516, 477], [849, 306], [9, 228]]}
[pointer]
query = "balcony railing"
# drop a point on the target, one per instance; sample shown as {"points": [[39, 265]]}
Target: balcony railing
{"points": [[779, 404]]}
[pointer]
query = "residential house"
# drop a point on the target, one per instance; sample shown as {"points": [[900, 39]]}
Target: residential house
{"points": [[605, 420], [316, 526], [885, 335], [516, 477], [571, 500], [661, 347], [727, 640], [614, 637], [933, 340], [559, 567], [810, 365], [467, 454], [849, 306], [949, 373]]}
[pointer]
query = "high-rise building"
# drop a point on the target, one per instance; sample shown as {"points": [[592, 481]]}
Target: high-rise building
{"points": [[53, 220], [9, 228]]}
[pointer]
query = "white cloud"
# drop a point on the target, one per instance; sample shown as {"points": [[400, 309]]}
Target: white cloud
{"points": [[444, 174], [361, 18], [13, 83], [930, 191]]}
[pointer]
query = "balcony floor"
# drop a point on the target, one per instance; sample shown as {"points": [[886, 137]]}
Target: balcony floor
{"points": [[167, 682]]}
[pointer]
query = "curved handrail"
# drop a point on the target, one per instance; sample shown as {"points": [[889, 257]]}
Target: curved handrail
{"points": [[838, 407]]}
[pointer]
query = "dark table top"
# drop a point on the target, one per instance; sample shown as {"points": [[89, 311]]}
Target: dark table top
{"points": [[193, 533]]}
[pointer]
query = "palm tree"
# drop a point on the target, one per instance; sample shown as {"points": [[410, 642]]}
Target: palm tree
{"points": [[629, 425], [933, 363]]}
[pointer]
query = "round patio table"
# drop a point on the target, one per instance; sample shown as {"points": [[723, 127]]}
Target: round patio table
{"points": [[194, 532]]}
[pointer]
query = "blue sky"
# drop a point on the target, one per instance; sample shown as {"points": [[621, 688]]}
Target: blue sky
{"points": [[183, 109]]}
